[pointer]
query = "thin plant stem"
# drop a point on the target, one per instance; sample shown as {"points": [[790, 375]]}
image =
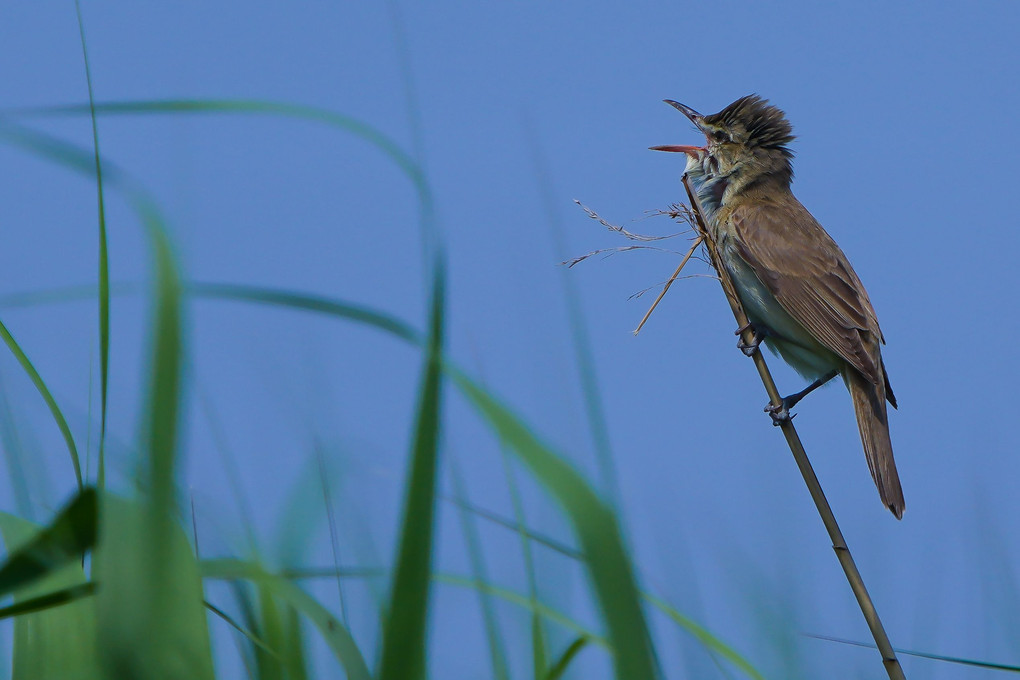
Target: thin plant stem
{"points": [[694, 246], [104, 271], [334, 542], [846, 560]]}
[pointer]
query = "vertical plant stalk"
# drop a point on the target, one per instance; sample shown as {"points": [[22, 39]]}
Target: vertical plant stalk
{"points": [[104, 269], [846, 560]]}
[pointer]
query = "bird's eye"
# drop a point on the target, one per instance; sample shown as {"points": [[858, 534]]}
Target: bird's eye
{"points": [[720, 136]]}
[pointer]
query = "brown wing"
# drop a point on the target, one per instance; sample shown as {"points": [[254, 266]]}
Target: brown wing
{"points": [[811, 278]]}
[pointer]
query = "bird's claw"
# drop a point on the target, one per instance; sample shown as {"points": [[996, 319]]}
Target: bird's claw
{"points": [[749, 348], [779, 414]]}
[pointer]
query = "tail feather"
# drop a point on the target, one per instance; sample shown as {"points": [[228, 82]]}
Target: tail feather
{"points": [[890, 397], [872, 421]]}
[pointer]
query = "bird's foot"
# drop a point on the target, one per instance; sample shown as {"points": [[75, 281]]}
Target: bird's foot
{"points": [[748, 348], [780, 414]]}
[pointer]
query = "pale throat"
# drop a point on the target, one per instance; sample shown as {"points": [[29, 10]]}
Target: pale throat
{"points": [[716, 189], [712, 189]]}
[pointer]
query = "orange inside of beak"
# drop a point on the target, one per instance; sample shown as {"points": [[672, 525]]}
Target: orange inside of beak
{"points": [[689, 150]]}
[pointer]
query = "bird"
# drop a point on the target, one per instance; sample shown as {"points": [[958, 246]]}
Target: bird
{"points": [[796, 286]]}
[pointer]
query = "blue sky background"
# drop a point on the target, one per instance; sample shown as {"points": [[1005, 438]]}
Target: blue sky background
{"points": [[906, 150]]}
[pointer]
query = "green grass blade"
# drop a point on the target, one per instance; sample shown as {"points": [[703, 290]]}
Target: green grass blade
{"points": [[48, 601], [337, 121], [557, 670], [587, 373], [152, 617], [229, 462], [273, 297], [711, 642], [309, 303], [539, 645], [297, 667], [62, 294], [407, 80], [298, 521], [496, 652], [361, 573], [54, 628], [57, 643], [521, 529], [334, 541], [235, 569], [104, 264], [19, 460], [269, 667], [333, 632], [245, 632], [246, 603], [596, 528], [164, 388], [281, 656], [430, 236], [71, 533], [229, 569], [44, 392], [404, 628], [927, 655], [217, 570], [152, 621], [546, 612]]}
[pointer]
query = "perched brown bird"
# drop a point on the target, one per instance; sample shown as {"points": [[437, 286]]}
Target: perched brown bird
{"points": [[797, 287]]}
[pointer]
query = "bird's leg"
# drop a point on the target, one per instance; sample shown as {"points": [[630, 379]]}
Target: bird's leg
{"points": [[780, 414], [748, 348]]}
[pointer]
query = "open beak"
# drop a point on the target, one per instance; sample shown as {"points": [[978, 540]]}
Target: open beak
{"points": [[695, 118], [691, 151]]}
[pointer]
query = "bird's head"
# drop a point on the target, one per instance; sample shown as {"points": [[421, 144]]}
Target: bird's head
{"points": [[745, 143]]}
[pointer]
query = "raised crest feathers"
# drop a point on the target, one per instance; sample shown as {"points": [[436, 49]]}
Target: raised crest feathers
{"points": [[766, 125]]}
